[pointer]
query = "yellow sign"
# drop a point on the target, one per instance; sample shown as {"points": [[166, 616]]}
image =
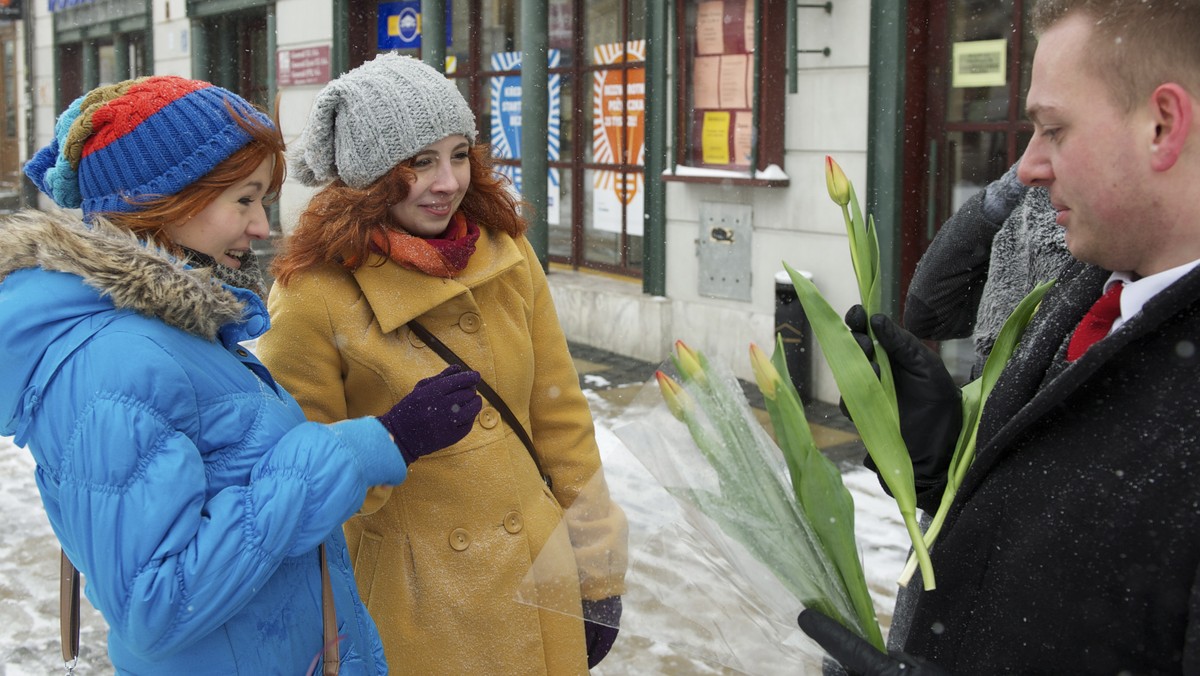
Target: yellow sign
{"points": [[982, 63], [714, 137]]}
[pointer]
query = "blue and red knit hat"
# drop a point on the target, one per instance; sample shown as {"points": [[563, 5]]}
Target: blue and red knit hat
{"points": [[143, 138]]}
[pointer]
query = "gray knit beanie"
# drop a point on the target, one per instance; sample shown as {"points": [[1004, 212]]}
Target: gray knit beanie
{"points": [[374, 117]]}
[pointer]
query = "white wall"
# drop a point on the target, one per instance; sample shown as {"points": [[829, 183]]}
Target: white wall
{"points": [[172, 39], [798, 224], [43, 83], [299, 23]]}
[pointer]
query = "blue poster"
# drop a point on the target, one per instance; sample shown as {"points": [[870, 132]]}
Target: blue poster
{"points": [[399, 25], [506, 123]]}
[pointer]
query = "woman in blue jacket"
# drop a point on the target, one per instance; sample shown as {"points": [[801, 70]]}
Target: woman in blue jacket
{"points": [[178, 476]]}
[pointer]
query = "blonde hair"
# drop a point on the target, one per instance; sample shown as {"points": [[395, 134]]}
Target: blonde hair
{"points": [[1137, 44]]}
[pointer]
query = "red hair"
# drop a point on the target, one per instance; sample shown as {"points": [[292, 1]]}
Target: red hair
{"points": [[338, 221], [154, 213]]}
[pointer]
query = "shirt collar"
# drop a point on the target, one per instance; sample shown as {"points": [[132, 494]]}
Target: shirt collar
{"points": [[1136, 294]]}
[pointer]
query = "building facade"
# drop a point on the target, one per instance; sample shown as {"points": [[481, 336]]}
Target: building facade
{"points": [[685, 139]]}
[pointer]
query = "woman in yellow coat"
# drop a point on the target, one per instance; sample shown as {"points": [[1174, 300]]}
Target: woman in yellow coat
{"points": [[412, 224]]}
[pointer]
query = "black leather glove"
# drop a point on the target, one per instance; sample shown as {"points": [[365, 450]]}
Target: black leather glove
{"points": [[858, 656], [601, 620], [437, 413], [929, 401]]}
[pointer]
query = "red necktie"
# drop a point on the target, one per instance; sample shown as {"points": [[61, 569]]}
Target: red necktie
{"points": [[1097, 322]]}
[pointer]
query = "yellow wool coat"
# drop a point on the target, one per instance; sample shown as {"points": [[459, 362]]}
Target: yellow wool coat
{"points": [[443, 561]]}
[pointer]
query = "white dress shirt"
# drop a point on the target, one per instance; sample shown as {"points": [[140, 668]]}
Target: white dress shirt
{"points": [[1137, 293]]}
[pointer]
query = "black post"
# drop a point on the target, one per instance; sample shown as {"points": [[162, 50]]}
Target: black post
{"points": [[791, 324]]}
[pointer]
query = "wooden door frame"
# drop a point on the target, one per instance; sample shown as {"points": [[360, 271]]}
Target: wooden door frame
{"points": [[925, 191], [918, 101], [10, 155]]}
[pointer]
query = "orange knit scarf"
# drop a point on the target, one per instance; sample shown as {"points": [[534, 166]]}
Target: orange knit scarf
{"points": [[444, 256]]}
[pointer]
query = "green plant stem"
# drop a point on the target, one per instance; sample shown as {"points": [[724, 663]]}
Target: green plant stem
{"points": [[873, 411]]}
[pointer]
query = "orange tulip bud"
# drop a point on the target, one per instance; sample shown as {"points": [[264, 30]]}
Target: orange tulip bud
{"points": [[678, 402]]}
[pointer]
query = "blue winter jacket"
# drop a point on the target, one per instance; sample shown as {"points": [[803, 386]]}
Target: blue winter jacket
{"points": [[183, 482]]}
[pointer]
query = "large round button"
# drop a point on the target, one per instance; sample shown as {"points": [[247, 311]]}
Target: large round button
{"points": [[256, 324], [460, 539], [469, 322], [414, 339], [513, 522], [489, 418]]}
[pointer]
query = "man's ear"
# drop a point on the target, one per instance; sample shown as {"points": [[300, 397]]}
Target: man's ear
{"points": [[1171, 106]]}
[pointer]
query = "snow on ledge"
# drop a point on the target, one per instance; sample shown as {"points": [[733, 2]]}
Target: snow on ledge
{"points": [[771, 173]]}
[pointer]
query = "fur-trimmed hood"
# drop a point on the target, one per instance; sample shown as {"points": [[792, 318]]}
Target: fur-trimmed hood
{"points": [[120, 267], [62, 282]]}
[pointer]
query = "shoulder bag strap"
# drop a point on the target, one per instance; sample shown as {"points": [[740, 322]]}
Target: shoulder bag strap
{"points": [[333, 658], [68, 611], [69, 615], [486, 390]]}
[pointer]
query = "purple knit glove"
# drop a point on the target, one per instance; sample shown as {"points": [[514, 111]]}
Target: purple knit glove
{"points": [[601, 622], [437, 413]]}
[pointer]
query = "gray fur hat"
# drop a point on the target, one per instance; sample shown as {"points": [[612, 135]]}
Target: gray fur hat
{"points": [[374, 117]]}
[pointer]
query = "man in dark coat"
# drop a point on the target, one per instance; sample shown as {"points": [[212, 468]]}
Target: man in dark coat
{"points": [[1073, 545]]}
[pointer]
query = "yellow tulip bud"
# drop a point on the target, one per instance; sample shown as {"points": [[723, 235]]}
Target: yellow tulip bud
{"points": [[678, 402], [836, 182], [764, 372], [689, 363]]}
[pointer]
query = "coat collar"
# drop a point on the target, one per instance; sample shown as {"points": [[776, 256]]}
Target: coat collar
{"points": [[1023, 396], [397, 294]]}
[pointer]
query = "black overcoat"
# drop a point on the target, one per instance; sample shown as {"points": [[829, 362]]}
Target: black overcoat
{"points": [[1074, 543]]}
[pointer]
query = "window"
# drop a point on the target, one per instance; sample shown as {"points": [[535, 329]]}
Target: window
{"points": [[730, 91], [235, 54]]}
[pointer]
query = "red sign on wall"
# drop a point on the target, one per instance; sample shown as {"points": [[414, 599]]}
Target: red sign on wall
{"points": [[305, 66]]}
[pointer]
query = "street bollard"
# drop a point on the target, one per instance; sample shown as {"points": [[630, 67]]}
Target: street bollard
{"points": [[791, 324]]}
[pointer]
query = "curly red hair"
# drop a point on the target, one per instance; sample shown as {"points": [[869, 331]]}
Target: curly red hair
{"points": [[338, 221]]}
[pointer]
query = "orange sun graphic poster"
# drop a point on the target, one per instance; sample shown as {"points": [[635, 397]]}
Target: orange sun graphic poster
{"points": [[618, 137]]}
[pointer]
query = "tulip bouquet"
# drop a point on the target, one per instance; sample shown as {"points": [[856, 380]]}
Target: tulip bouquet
{"points": [[802, 530], [798, 521], [871, 398], [801, 522]]}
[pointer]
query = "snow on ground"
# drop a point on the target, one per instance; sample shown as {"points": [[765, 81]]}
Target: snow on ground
{"points": [[685, 611]]}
